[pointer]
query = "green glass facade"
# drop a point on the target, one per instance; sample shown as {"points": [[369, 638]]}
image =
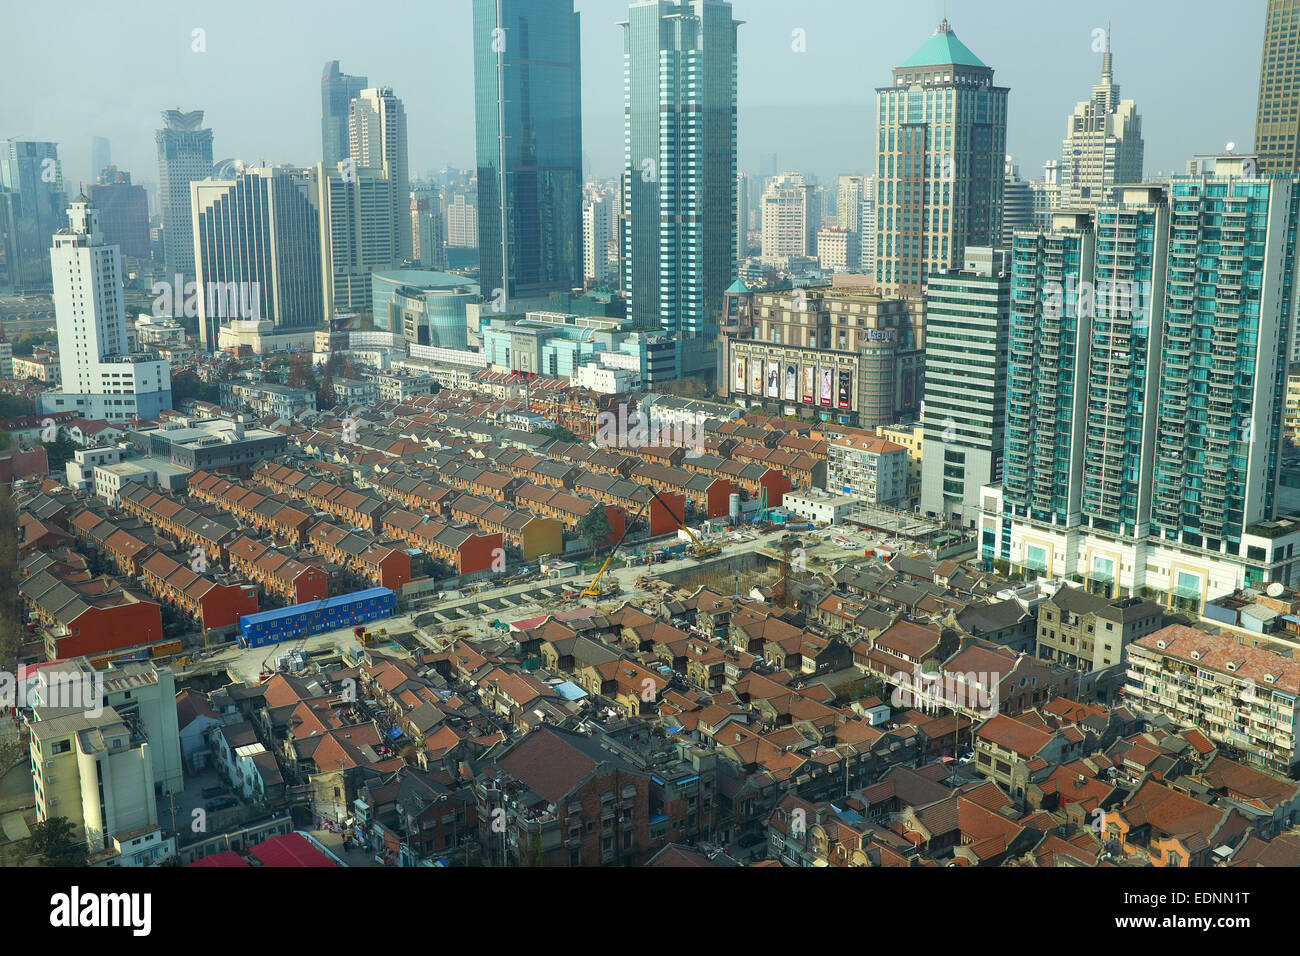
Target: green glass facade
{"points": [[528, 119], [679, 229]]}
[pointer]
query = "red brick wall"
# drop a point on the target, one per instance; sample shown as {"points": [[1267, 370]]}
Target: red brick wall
{"points": [[107, 629]]}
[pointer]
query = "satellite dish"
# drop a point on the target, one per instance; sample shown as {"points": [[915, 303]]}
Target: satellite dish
{"points": [[1231, 146], [1275, 590]]}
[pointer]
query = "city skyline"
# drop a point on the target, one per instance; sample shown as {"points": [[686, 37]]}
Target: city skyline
{"points": [[846, 52]]}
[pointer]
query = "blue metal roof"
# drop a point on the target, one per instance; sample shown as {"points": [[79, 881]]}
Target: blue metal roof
{"points": [[311, 607]]}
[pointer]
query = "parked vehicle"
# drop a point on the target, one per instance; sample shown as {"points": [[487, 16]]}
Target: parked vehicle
{"points": [[216, 791], [223, 803]]}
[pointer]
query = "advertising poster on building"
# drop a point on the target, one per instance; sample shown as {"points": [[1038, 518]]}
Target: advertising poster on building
{"points": [[773, 379], [755, 377], [827, 386], [809, 383], [846, 388], [740, 374], [791, 382]]}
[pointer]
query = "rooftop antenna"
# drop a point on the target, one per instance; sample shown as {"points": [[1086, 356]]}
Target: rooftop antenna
{"points": [[1105, 59]]}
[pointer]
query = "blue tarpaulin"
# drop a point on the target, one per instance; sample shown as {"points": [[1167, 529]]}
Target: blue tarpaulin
{"points": [[395, 733]]}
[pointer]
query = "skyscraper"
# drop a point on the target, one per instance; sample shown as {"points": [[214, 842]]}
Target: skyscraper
{"points": [[679, 235], [31, 209], [428, 227], [528, 121], [742, 215], [1277, 117], [966, 327], [1145, 390], [462, 222], [597, 228], [184, 156], [337, 91], [101, 155], [791, 218], [939, 162], [123, 212], [100, 377], [258, 250], [377, 141], [1017, 203], [357, 232], [848, 202], [1103, 144], [867, 226]]}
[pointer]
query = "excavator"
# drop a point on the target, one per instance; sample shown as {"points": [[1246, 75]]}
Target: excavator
{"points": [[698, 548]]}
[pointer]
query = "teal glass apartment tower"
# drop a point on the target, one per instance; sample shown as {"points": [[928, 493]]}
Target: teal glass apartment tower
{"points": [[337, 91], [679, 207], [32, 206], [1147, 358], [528, 120], [940, 158]]}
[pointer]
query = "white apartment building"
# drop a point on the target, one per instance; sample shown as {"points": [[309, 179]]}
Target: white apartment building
{"points": [[838, 249], [1240, 697], [790, 218], [819, 506], [870, 468]]}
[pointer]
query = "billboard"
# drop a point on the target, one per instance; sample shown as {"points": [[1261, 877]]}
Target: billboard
{"points": [[755, 377], [809, 383], [773, 379], [846, 389], [827, 377], [740, 374], [791, 382]]}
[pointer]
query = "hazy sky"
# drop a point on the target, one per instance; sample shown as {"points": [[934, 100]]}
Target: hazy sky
{"points": [[76, 69]]}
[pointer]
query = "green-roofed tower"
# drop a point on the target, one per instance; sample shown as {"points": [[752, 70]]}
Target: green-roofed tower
{"points": [[940, 156]]}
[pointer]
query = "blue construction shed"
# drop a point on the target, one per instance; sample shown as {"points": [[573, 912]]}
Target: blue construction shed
{"points": [[314, 617]]}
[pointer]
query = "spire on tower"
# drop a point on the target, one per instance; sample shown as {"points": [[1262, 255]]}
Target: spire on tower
{"points": [[1105, 59]]}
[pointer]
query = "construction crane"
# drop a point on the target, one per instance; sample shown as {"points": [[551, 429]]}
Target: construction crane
{"points": [[698, 548]]}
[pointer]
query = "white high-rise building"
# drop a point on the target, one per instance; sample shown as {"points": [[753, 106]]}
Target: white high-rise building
{"points": [[357, 233], [867, 225], [848, 203], [1103, 144], [100, 376], [377, 140], [462, 223], [1046, 194], [598, 224], [790, 218]]}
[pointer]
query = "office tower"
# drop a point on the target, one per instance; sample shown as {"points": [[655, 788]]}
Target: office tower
{"points": [[680, 149], [766, 167], [1046, 194], [1103, 144], [867, 226], [939, 161], [967, 319], [1017, 203], [258, 250], [791, 218], [742, 216], [428, 228], [597, 228], [357, 232], [848, 203], [123, 212], [100, 376], [1145, 399], [1277, 116], [528, 120], [377, 140], [184, 156], [31, 209], [462, 222], [337, 91], [101, 154]]}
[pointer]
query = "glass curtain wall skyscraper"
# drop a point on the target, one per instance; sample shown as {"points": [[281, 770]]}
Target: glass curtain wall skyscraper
{"points": [[184, 156], [679, 227], [528, 121], [337, 91]]}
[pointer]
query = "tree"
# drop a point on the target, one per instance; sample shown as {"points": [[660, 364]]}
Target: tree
{"points": [[556, 432], [593, 528], [6, 440], [326, 397], [185, 387], [301, 374], [15, 406], [55, 841], [60, 451]]}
